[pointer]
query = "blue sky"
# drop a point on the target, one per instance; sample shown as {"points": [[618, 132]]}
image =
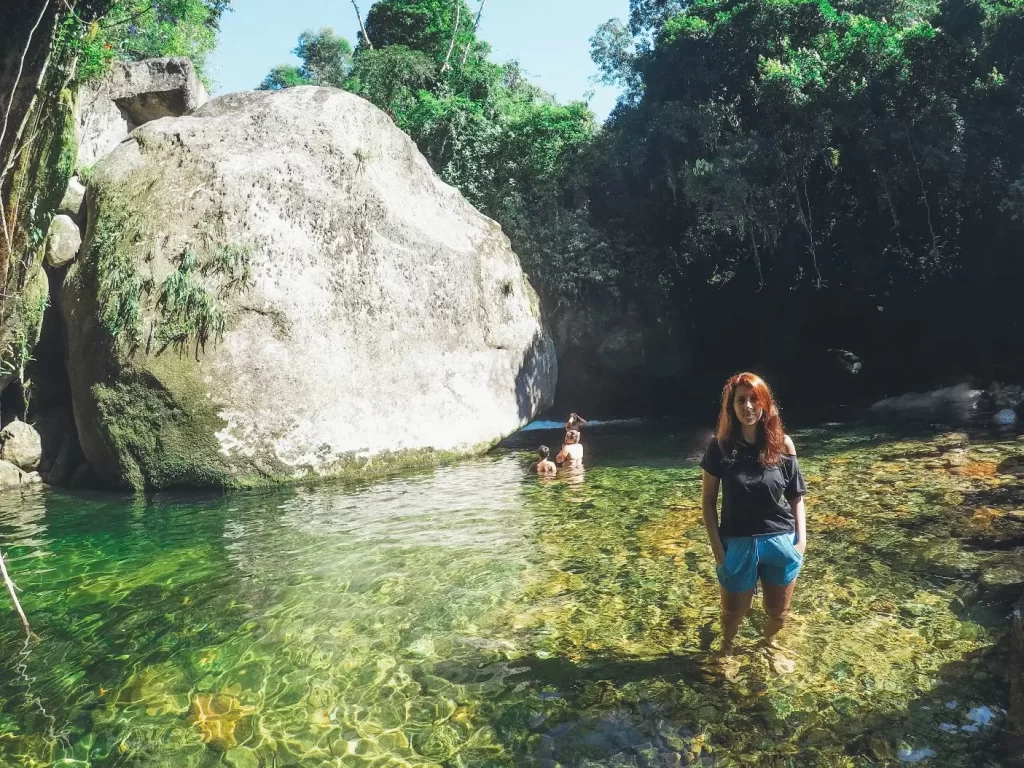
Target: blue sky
{"points": [[549, 37]]}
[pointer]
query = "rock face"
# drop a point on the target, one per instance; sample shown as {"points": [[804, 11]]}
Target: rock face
{"points": [[20, 445], [132, 94], [357, 313], [63, 240]]}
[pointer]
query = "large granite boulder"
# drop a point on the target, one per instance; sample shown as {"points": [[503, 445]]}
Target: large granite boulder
{"points": [[278, 286], [132, 94]]}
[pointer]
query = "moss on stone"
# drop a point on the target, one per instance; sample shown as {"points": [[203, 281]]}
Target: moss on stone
{"points": [[159, 439], [110, 267], [24, 324]]}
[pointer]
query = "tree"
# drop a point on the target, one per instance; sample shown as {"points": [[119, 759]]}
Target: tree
{"points": [[326, 60], [140, 29], [427, 26]]}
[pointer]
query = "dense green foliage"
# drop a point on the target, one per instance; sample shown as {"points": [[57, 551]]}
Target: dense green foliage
{"points": [[861, 153], [851, 168], [130, 30]]}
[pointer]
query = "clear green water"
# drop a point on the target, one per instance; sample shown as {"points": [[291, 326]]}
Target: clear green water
{"points": [[478, 616]]}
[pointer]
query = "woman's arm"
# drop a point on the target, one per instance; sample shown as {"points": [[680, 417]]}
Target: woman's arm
{"points": [[800, 514], [709, 507], [797, 505], [562, 454]]}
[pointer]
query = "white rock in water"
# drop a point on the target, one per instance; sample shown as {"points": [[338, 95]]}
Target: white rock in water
{"points": [[1006, 417], [382, 321], [982, 715], [908, 755]]}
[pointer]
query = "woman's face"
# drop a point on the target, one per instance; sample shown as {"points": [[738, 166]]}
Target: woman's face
{"points": [[744, 403]]}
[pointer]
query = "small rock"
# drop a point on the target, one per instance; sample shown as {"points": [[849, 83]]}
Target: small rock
{"points": [[1007, 417], [63, 241], [71, 203], [20, 445], [908, 755], [982, 715]]}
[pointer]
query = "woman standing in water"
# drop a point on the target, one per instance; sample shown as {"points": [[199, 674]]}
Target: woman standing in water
{"points": [[762, 533]]}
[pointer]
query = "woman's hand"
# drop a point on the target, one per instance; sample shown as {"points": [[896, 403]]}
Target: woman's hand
{"points": [[719, 553]]}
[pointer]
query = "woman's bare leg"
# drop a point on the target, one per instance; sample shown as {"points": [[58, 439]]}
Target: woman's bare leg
{"points": [[734, 607], [776, 605]]}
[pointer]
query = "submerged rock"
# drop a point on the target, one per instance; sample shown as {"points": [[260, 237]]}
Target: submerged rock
{"points": [[279, 286]]}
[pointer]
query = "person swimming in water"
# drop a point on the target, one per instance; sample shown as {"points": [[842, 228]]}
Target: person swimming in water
{"points": [[545, 466], [571, 454]]}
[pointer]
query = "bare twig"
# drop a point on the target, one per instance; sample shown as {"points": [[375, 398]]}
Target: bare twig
{"points": [[808, 222], [366, 37], [892, 211], [7, 115], [455, 33], [753, 244], [924, 195], [21, 68], [476, 30], [14, 596]]}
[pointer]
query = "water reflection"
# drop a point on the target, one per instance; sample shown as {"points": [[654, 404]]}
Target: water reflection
{"points": [[478, 615]]}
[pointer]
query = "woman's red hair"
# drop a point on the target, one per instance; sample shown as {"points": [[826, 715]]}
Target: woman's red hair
{"points": [[771, 437]]}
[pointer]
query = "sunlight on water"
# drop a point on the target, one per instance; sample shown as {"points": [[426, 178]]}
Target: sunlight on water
{"points": [[478, 616]]}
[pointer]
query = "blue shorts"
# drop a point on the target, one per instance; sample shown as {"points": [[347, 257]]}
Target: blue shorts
{"points": [[772, 558]]}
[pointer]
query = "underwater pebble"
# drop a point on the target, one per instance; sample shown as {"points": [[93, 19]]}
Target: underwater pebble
{"points": [[951, 705], [969, 728], [947, 727], [1005, 417], [908, 755], [982, 715]]}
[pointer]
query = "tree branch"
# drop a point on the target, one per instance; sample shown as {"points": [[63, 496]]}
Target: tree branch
{"points": [[14, 596], [476, 30], [924, 195], [455, 33], [366, 37], [21, 68]]}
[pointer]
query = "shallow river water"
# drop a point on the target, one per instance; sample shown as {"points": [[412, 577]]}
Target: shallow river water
{"points": [[475, 615]]}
